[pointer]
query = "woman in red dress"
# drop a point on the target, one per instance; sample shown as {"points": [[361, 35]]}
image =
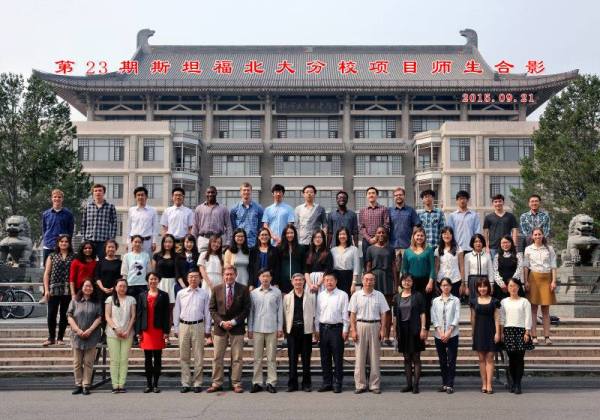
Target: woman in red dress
{"points": [[152, 327]]}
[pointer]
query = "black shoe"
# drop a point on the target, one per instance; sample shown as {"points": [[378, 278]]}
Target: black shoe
{"points": [[115, 390], [407, 388], [415, 389], [307, 388], [512, 389], [376, 391], [85, 391], [271, 389], [197, 389], [449, 390], [442, 388], [256, 388], [122, 391], [325, 388], [337, 389], [360, 390], [77, 390], [518, 390], [147, 390], [185, 389], [156, 390], [292, 388]]}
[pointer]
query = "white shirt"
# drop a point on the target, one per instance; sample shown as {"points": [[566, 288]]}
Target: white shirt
{"points": [[445, 314], [332, 308], [177, 220], [516, 313], [213, 268], [192, 305], [347, 259], [448, 265], [479, 265], [142, 221], [368, 307], [121, 315], [539, 260]]}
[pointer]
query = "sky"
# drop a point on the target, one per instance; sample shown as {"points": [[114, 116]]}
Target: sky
{"points": [[35, 34]]}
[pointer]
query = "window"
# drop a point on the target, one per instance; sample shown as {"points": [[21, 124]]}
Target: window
{"points": [[100, 149], [185, 157], [325, 198], [503, 185], [374, 127], [383, 165], [460, 150], [236, 165], [307, 128], [154, 185], [191, 196], [429, 123], [182, 125], [510, 150], [240, 128], [113, 184], [308, 165], [230, 198], [459, 183], [153, 150], [386, 198]]}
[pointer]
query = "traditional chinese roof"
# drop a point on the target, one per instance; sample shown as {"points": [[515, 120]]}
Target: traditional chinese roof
{"points": [[329, 81]]}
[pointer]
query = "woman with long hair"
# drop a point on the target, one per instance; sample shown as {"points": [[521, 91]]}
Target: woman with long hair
{"points": [[449, 260], [164, 264], [264, 256], [346, 261], [508, 264], [210, 263], [238, 255], [187, 260], [318, 261], [83, 266], [135, 266], [293, 257]]}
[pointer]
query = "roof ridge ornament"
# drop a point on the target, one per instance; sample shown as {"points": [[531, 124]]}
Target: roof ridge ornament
{"points": [[142, 40], [471, 36]]}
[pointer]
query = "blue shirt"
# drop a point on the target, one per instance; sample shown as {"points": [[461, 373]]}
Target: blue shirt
{"points": [[248, 218], [337, 220], [465, 225], [402, 222], [56, 223], [432, 221], [277, 216]]}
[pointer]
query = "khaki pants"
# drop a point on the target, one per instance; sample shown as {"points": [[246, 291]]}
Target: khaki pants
{"points": [[237, 346], [83, 364], [368, 347], [191, 337], [262, 340]]}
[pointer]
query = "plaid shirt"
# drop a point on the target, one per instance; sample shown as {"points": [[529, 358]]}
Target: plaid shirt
{"points": [[432, 221], [370, 218], [99, 223], [530, 220]]}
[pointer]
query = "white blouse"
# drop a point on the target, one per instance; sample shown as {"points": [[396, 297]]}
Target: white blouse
{"points": [[516, 313], [347, 259], [479, 265], [539, 260], [449, 266], [213, 268]]}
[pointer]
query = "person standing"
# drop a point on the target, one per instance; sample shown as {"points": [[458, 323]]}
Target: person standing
{"points": [[187, 260], [346, 261], [191, 323], [265, 326], [83, 267], [449, 261], [309, 216], [498, 224], [478, 264], [535, 217], [263, 256], [277, 215], [332, 324], [445, 318], [57, 220], [464, 221], [508, 264], [368, 309], [247, 215], [293, 258], [99, 220], [238, 255], [211, 219], [85, 317], [299, 316], [432, 218], [142, 221], [178, 219], [318, 262], [211, 264], [120, 319], [342, 217], [56, 288], [370, 218], [108, 269], [135, 266], [164, 263], [229, 308], [403, 219], [152, 327]]}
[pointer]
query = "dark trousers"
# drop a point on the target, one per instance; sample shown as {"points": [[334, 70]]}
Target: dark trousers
{"points": [[57, 305], [516, 366], [419, 284], [136, 290], [331, 343], [299, 344], [447, 356], [99, 248], [152, 368], [365, 246]]}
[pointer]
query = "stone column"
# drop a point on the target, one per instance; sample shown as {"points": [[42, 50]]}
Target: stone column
{"points": [[406, 118], [149, 108], [522, 112], [267, 166], [348, 157], [464, 108], [205, 160], [90, 102]]}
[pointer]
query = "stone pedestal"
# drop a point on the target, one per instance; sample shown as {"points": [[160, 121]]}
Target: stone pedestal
{"points": [[579, 292]]}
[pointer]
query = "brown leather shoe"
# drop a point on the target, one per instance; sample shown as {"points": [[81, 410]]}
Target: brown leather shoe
{"points": [[213, 388], [238, 389]]}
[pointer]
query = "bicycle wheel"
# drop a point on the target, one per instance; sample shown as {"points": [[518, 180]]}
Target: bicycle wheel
{"points": [[4, 310], [20, 312]]}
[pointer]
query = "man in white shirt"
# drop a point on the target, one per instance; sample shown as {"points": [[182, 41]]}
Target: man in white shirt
{"points": [[368, 308], [143, 220], [309, 216], [191, 323], [177, 219], [331, 322]]}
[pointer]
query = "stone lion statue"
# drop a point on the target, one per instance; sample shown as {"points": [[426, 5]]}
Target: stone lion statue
{"points": [[16, 247], [583, 248]]}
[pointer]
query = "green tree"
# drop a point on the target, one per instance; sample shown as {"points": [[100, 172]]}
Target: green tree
{"points": [[565, 167], [36, 151]]}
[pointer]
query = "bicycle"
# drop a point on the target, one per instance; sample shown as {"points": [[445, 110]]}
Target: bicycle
{"points": [[16, 311]]}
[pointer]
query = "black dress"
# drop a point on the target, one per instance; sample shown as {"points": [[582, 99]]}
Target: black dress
{"points": [[408, 329], [485, 326]]}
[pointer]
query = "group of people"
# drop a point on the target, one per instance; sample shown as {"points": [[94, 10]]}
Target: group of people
{"points": [[296, 273]]}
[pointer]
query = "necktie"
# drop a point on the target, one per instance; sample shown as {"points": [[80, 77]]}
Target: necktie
{"points": [[229, 298]]}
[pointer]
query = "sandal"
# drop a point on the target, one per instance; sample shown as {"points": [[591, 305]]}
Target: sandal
{"points": [[60, 343], [48, 343], [483, 390], [548, 341], [534, 339]]}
